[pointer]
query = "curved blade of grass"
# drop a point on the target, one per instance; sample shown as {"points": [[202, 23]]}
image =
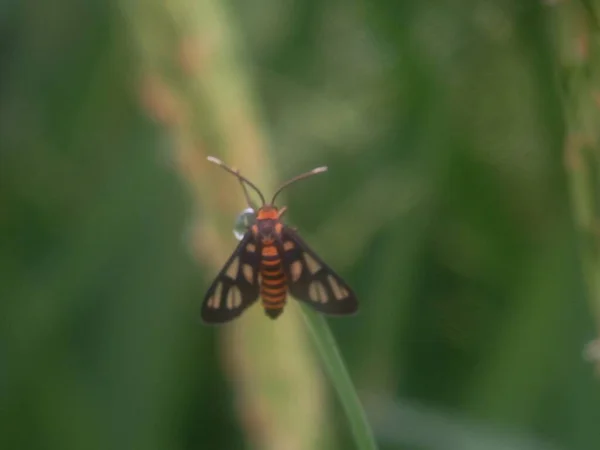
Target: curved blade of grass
{"points": [[337, 373]]}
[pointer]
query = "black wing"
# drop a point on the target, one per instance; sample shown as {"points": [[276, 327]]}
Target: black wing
{"points": [[311, 280], [236, 287]]}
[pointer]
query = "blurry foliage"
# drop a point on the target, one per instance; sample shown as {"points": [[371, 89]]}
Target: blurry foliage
{"points": [[446, 207]]}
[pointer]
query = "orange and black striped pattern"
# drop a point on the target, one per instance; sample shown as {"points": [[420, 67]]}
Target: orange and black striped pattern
{"points": [[273, 286]]}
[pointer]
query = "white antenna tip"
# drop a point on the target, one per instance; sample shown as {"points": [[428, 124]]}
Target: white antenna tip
{"points": [[212, 159], [320, 169]]}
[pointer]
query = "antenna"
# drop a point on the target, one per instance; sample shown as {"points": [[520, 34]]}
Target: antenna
{"points": [[298, 178], [241, 178]]}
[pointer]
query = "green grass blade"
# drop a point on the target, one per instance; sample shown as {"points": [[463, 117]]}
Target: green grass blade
{"points": [[340, 378]]}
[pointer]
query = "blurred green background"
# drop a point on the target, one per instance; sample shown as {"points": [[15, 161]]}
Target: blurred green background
{"points": [[446, 207]]}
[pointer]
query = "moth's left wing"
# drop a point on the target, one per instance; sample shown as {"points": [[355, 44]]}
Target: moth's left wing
{"points": [[310, 280], [236, 287]]}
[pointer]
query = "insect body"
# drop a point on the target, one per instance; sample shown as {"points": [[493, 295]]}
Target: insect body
{"points": [[273, 286], [271, 261]]}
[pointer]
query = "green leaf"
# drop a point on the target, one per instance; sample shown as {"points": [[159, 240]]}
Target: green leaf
{"points": [[340, 378]]}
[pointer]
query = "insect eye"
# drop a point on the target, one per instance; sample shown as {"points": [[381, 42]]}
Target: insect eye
{"points": [[244, 221]]}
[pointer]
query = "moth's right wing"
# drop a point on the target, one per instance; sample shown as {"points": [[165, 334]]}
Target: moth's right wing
{"points": [[311, 280]]}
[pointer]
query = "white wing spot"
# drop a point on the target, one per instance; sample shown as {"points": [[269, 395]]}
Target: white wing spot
{"points": [[296, 270], [229, 300], [248, 273], [233, 268], [317, 292], [236, 297], [311, 263], [251, 248], [216, 298], [288, 245], [323, 293], [312, 291], [338, 290]]}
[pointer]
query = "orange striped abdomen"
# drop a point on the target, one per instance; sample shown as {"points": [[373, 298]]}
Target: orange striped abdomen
{"points": [[273, 288]]}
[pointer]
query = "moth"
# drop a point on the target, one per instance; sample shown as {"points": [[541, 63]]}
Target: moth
{"points": [[270, 262]]}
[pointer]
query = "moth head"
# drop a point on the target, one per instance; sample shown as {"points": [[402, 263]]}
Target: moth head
{"points": [[267, 219]]}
